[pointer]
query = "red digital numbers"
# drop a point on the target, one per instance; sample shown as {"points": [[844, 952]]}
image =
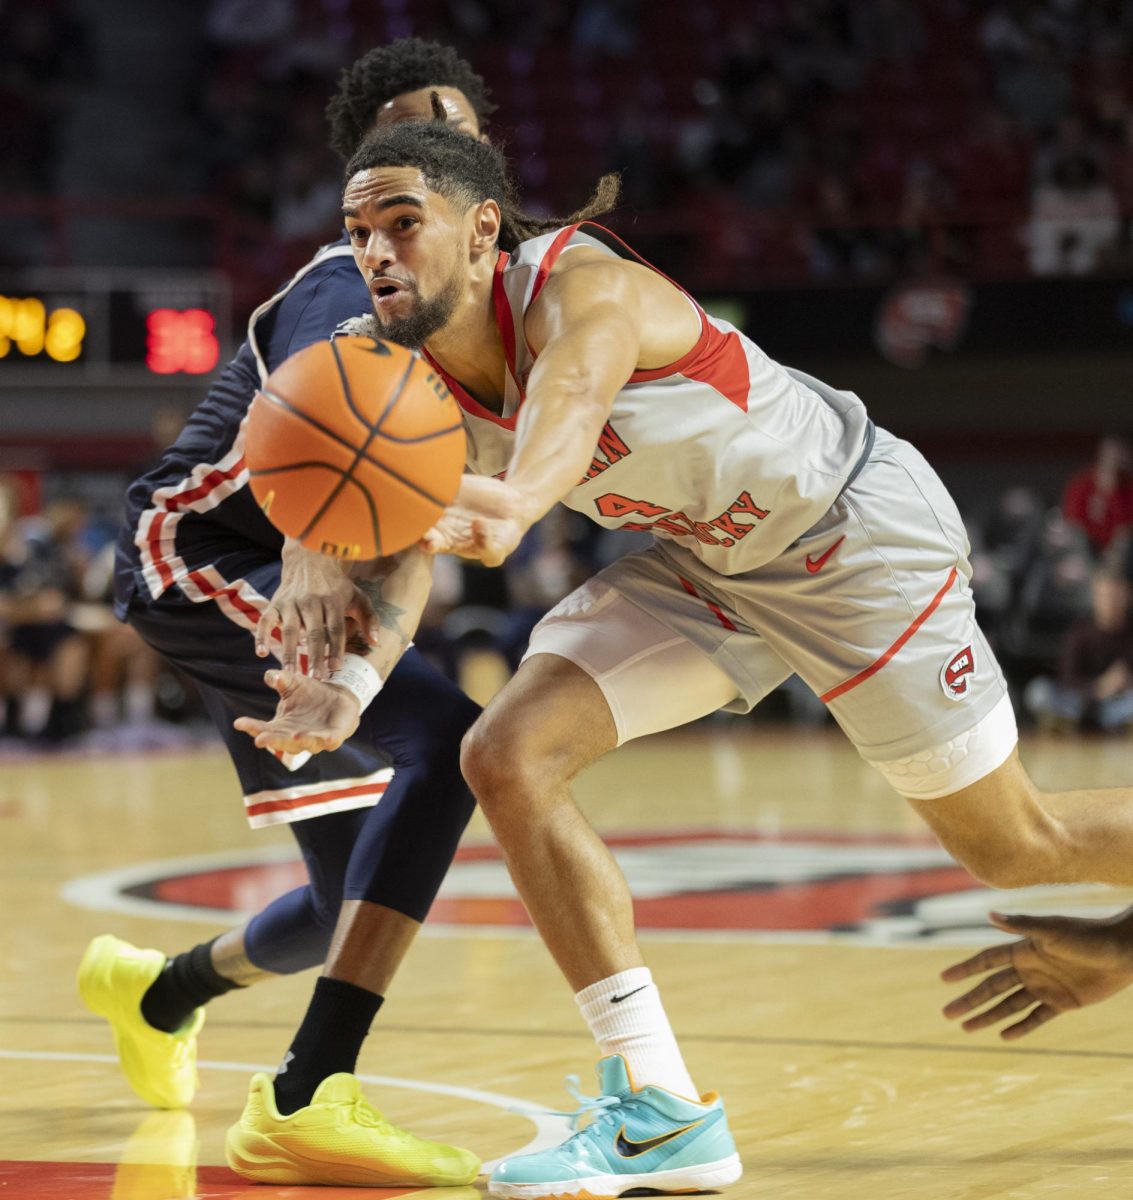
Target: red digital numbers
{"points": [[181, 341]]}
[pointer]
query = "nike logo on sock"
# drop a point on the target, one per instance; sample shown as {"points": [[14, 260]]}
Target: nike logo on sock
{"points": [[619, 999], [282, 1068], [631, 1149]]}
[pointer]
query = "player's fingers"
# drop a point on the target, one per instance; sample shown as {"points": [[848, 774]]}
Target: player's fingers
{"points": [[1007, 1007], [249, 725], [269, 619], [290, 630], [361, 610], [315, 627], [282, 681], [1019, 922], [1036, 1017], [986, 960], [336, 635], [994, 985], [434, 542]]}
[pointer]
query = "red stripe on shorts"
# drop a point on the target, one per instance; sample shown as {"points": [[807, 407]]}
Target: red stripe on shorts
{"points": [[714, 609], [268, 806], [876, 666]]}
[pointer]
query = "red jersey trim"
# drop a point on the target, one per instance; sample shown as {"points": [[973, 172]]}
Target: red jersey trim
{"points": [[506, 326], [876, 666]]}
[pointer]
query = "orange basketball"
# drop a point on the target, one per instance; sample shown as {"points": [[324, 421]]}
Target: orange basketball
{"points": [[354, 447]]}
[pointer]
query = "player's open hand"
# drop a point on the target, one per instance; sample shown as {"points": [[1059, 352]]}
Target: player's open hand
{"points": [[485, 521], [1062, 963], [311, 716], [310, 609]]}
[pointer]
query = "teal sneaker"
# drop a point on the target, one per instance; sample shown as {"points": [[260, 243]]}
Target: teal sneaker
{"points": [[638, 1138]]}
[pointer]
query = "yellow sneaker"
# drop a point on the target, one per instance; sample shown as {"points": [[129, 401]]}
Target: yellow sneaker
{"points": [[160, 1067], [338, 1138]]}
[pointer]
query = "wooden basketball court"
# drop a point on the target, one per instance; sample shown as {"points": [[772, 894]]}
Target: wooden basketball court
{"points": [[747, 846]]}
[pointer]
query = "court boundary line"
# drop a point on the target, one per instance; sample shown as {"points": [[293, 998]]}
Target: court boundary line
{"points": [[550, 1128]]}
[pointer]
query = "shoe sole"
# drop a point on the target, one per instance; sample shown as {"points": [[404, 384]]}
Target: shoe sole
{"points": [[260, 1158], [607, 1187]]}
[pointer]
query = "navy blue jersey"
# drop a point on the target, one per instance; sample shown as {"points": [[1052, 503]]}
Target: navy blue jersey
{"points": [[192, 522]]}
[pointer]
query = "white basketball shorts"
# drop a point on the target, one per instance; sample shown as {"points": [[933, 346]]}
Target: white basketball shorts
{"points": [[871, 608]]}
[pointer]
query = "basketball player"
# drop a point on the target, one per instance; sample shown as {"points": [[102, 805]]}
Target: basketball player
{"points": [[1061, 964], [790, 535], [199, 576]]}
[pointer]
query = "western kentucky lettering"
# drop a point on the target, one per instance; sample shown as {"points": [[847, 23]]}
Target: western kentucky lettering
{"points": [[680, 524], [611, 449]]}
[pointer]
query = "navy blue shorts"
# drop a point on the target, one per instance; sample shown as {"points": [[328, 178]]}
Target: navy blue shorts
{"points": [[217, 652]]}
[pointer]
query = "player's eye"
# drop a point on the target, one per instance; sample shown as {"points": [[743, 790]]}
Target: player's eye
{"points": [[405, 224], [356, 233]]}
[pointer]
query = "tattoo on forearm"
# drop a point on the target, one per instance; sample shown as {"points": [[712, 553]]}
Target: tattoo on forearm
{"points": [[388, 614]]}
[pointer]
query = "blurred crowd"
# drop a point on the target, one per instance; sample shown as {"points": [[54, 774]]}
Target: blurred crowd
{"points": [[1053, 584], [847, 139]]}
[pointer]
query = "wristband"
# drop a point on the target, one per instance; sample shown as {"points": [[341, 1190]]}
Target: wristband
{"points": [[359, 677]]}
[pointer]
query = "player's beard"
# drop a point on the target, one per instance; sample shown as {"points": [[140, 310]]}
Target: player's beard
{"points": [[427, 317]]}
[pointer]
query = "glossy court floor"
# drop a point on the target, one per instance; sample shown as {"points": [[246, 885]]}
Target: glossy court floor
{"points": [[796, 917]]}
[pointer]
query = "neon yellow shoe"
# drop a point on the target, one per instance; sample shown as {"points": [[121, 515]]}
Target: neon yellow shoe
{"points": [[160, 1067], [338, 1138]]}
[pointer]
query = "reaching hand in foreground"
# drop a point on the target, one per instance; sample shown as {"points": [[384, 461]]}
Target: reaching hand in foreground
{"points": [[1062, 963], [485, 521], [311, 715]]}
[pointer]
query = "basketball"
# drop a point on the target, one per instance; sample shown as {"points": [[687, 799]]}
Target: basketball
{"points": [[354, 447]]}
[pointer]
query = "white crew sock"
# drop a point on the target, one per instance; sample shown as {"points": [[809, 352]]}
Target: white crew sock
{"points": [[626, 1017]]}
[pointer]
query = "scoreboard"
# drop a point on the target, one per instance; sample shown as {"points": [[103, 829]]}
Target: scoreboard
{"points": [[91, 326]]}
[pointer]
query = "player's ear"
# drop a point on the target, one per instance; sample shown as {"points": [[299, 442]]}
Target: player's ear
{"points": [[485, 226]]}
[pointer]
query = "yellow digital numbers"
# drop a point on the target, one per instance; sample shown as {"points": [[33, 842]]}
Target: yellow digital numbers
{"points": [[26, 325]]}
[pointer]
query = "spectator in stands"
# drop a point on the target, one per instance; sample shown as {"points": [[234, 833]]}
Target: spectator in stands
{"points": [[1074, 219], [1095, 677], [46, 660], [1099, 499]]}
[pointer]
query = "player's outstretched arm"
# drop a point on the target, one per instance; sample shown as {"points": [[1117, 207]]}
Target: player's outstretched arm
{"points": [[314, 714], [584, 329], [1061, 963], [315, 599]]}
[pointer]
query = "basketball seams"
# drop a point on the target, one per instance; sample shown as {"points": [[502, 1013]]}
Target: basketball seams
{"points": [[347, 393], [360, 453], [357, 455], [407, 483], [287, 406], [413, 441]]}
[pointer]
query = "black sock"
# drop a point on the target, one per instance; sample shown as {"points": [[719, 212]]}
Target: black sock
{"points": [[185, 983], [328, 1041]]}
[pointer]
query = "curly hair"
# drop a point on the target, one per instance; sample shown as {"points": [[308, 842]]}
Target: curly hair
{"points": [[406, 65], [466, 171]]}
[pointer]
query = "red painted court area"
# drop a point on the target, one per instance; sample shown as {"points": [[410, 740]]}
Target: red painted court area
{"points": [[135, 1181]]}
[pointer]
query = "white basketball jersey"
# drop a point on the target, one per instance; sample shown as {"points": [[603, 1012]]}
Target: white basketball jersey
{"points": [[725, 451]]}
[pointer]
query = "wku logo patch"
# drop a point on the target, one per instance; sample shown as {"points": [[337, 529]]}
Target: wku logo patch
{"points": [[956, 674]]}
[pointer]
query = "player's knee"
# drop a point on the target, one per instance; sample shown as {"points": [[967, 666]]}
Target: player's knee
{"points": [[497, 758], [325, 899]]}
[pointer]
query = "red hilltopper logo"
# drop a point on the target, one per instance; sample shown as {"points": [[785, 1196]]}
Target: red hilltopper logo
{"points": [[955, 675]]}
